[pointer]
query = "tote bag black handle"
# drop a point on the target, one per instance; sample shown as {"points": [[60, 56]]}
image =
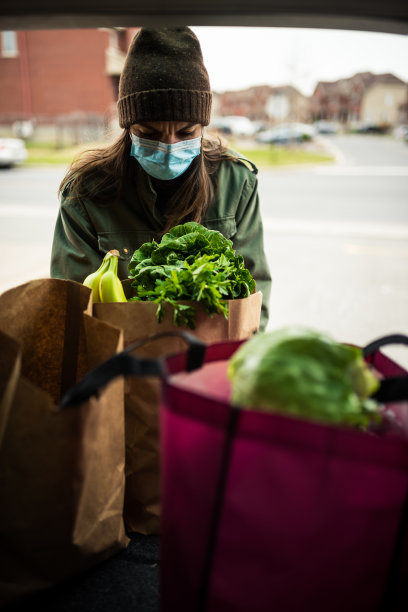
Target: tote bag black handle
{"points": [[391, 390], [372, 347], [125, 364], [395, 388]]}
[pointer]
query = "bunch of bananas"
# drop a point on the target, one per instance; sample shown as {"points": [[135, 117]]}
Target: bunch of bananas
{"points": [[105, 283]]}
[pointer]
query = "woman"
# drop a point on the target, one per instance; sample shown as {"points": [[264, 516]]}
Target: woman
{"points": [[161, 171]]}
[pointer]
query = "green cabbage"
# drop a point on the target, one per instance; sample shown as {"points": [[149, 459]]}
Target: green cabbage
{"points": [[304, 373]]}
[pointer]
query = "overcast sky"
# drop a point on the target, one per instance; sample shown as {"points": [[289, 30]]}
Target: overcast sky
{"points": [[237, 58]]}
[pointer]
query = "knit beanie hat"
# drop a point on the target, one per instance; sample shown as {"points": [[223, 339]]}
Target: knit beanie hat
{"points": [[164, 79]]}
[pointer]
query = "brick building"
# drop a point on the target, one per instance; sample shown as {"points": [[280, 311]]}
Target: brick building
{"points": [[264, 103], [61, 77]]}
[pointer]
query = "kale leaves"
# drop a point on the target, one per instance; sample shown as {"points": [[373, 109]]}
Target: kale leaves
{"points": [[190, 263]]}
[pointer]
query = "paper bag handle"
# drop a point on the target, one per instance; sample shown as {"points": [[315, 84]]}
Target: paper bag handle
{"points": [[125, 364]]}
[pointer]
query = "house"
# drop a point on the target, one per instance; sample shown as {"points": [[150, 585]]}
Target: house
{"points": [[263, 103], [383, 104], [56, 80], [372, 99]]}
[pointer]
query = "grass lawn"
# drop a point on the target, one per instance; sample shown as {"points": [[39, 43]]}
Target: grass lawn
{"points": [[44, 154], [273, 155]]}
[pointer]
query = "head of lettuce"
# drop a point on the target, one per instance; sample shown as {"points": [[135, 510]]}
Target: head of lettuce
{"points": [[304, 373]]}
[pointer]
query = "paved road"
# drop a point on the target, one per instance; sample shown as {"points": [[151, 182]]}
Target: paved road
{"points": [[28, 209], [336, 237], [367, 185], [337, 241]]}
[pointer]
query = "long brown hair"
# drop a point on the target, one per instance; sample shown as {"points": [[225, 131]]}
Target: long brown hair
{"points": [[100, 175]]}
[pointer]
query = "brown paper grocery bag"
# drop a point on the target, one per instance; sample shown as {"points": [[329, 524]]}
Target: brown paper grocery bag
{"points": [[61, 471], [138, 322]]}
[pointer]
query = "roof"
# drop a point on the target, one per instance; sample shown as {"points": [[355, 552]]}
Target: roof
{"points": [[360, 81], [263, 89]]}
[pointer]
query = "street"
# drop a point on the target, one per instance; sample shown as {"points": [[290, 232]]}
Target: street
{"points": [[336, 237]]}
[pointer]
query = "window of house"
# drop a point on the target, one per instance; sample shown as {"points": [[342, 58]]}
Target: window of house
{"points": [[9, 46], [388, 99]]}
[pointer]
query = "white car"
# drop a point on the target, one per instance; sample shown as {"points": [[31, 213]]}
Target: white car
{"points": [[326, 127], [234, 124], [286, 133], [12, 151]]}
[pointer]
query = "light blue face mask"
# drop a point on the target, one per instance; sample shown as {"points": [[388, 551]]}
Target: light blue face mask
{"points": [[165, 161]]}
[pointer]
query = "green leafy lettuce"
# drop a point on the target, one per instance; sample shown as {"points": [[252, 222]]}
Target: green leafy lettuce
{"points": [[190, 262], [300, 372]]}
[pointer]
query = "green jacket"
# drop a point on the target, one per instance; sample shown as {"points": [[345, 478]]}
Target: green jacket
{"points": [[84, 231]]}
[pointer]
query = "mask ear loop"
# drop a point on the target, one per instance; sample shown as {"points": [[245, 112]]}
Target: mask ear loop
{"points": [[129, 135]]}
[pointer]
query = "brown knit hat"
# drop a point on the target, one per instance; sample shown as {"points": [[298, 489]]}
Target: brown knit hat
{"points": [[164, 79]]}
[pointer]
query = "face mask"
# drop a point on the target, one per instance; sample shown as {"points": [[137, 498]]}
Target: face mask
{"points": [[165, 161]]}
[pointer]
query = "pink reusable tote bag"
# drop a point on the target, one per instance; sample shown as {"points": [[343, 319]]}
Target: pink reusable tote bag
{"points": [[263, 512]]}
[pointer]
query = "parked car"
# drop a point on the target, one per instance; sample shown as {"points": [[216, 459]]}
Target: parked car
{"points": [[326, 127], [286, 133], [370, 128], [234, 124], [12, 151]]}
